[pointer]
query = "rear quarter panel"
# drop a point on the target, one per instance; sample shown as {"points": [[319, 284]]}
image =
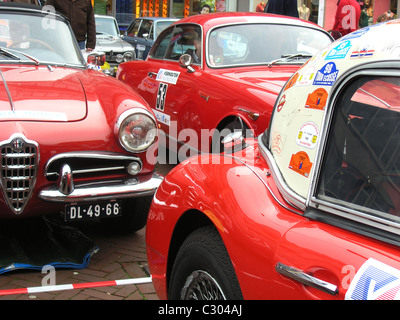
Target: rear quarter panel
{"points": [[236, 202]]}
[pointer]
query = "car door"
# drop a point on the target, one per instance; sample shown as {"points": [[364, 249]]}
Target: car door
{"points": [[144, 40], [169, 86], [131, 33], [347, 245]]}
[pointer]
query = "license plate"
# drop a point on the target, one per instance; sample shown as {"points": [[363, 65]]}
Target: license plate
{"points": [[86, 211]]}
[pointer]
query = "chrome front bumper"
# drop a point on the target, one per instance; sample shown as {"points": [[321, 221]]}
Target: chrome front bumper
{"points": [[103, 190]]}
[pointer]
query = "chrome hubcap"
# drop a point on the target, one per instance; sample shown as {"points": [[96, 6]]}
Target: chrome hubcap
{"points": [[200, 285]]}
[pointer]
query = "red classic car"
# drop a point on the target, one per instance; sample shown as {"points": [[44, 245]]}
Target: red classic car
{"points": [[308, 210], [71, 139], [206, 71]]}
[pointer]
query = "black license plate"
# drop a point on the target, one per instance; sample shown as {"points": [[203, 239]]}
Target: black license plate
{"points": [[87, 211]]}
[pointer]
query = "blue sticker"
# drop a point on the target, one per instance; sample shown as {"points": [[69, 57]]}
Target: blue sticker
{"points": [[375, 281], [356, 34], [340, 51], [327, 75]]}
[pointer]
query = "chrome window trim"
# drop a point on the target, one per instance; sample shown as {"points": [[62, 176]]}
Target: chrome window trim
{"points": [[271, 21], [287, 193]]}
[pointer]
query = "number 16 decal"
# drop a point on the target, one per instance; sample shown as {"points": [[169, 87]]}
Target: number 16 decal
{"points": [[161, 94]]}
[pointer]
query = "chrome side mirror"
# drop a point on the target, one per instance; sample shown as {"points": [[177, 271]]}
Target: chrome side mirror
{"points": [[186, 61]]}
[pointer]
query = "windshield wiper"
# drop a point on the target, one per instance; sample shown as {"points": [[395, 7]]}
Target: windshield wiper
{"points": [[35, 60], [8, 54], [289, 56]]}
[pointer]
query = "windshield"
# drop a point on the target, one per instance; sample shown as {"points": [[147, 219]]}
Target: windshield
{"points": [[262, 44], [107, 26], [161, 25], [37, 38]]}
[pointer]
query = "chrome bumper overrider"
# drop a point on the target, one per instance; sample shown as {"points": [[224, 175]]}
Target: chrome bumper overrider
{"points": [[104, 190]]}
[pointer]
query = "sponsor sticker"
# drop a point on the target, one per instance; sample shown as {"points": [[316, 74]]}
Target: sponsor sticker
{"points": [[162, 117], [327, 75], [300, 163], [356, 34], [364, 52], [307, 76], [167, 76], [317, 99], [292, 81], [307, 136], [340, 51], [281, 103], [375, 281]]}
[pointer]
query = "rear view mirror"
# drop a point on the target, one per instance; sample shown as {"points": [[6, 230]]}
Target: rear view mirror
{"points": [[186, 61]]}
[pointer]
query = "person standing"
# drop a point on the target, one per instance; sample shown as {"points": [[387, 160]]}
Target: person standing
{"points": [[283, 7], [347, 16], [81, 17]]}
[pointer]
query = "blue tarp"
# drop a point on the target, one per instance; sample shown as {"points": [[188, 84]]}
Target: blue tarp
{"points": [[35, 243]]}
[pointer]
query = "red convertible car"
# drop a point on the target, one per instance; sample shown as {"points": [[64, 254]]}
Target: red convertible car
{"points": [[308, 210], [71, 139], [209, 74]]}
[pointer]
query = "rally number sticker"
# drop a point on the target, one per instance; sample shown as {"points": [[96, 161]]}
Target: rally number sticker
{"points": [[161, 94]]}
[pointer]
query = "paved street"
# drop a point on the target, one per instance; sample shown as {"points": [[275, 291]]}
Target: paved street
{"points": [[119, 257]]}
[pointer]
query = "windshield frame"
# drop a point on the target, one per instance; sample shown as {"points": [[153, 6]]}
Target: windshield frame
{"points": [[282, 61]]}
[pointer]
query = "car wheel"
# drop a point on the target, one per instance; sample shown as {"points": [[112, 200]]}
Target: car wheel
{"points": [[134, 215], [203, 269]]}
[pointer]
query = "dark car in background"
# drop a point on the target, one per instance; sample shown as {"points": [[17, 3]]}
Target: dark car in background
{"points": [[142, 33], [109, 41]]}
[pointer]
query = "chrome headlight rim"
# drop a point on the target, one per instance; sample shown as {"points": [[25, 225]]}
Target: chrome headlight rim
{"points": [[120, 124], [127, 56]]}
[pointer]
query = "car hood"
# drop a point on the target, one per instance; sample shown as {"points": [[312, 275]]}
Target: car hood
{"points": [[39, 93], [110, 43], [267, 78]]}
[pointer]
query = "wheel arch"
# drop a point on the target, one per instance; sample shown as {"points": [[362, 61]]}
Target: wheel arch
{"points": [[190, 221], [224, 122]]}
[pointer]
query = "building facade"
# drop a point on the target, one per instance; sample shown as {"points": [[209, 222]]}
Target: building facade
{"points": [[321, 12]]}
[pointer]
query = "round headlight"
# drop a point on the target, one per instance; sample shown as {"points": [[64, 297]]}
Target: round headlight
{"points": [[128, 56], [137, 130], [119, 58]]}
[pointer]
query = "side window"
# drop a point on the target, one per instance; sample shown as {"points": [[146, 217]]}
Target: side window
{"points": [[133, 28], [144, 30], [160, 46], [185, 39], [361, 165]]}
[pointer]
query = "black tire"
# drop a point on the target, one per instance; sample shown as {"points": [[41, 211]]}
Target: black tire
{"points": [[134, 216], [203, 269]]}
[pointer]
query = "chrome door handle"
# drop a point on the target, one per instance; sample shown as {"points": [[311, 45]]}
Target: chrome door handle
{"points": [[302, 277]]}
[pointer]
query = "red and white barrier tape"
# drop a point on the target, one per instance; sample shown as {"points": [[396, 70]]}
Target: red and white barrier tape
{"points": [[75, 286]]}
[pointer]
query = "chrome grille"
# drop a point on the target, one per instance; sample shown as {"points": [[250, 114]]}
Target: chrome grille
{"points": [[19, 162]]}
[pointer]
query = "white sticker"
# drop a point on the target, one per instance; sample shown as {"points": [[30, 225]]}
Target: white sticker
{"points": [[307, 136], [168, 76], [375, 281], [33, 115], [162, 117]]}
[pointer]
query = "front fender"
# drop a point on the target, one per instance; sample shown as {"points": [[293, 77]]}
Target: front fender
{"points": [[232, 198]]}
